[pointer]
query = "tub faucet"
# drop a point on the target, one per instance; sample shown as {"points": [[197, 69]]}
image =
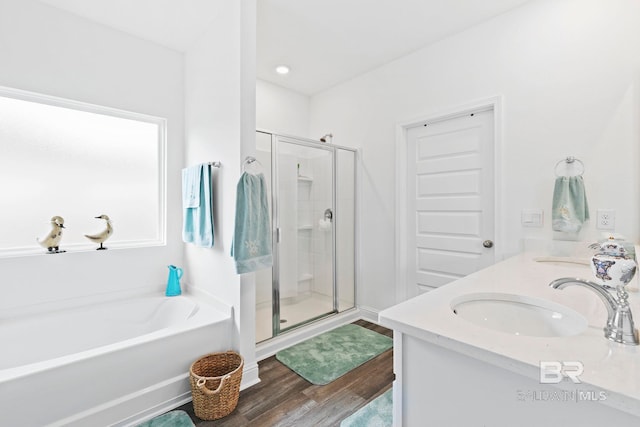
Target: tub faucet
{"points": [[620, 327]]}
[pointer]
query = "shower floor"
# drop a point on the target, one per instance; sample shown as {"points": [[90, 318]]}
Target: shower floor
{"points": [[294, 311]]}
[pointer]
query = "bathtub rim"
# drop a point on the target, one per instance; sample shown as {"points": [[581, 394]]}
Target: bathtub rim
{"points": [[206, 314]]}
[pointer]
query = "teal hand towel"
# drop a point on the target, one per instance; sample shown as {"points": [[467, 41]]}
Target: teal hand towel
{"points": [[197, 219], [569, 208], [251, 246]]}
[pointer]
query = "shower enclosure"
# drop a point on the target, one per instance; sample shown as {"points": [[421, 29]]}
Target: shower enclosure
{"points": [[312, 198]]}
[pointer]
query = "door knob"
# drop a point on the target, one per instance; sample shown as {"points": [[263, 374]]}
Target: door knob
{"points": [[487, 243]]}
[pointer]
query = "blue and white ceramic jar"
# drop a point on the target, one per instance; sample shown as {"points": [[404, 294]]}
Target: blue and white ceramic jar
{"points": [[612, 265]]}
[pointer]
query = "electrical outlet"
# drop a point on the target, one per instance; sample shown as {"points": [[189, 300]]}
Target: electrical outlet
{"points": [[606, 219]]}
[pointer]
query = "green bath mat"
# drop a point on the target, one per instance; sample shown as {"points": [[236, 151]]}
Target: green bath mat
{"points": [[377, 413], [332, 354], [170, 419]]}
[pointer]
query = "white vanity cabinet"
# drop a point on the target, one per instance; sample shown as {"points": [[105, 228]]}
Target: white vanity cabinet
{"points": [[452, 372]]}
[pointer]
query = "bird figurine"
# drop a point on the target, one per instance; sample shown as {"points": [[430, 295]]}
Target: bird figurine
{"points": [[102, 236], [52, 240]]}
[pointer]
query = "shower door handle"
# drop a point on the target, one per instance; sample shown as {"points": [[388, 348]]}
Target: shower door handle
{"points": [[277, 235]]}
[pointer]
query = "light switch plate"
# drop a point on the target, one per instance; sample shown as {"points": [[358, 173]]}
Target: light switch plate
{"points": [[532, 217]]}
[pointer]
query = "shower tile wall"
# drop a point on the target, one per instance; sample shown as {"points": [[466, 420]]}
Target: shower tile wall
{"points": [[306, 187], [321, 249], [304, 195], [288, 223]]}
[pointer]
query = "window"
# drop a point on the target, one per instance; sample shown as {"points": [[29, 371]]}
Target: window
{"points": [[78, 161]]}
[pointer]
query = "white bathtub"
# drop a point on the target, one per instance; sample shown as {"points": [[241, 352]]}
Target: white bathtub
{"points": [[115, 363]]}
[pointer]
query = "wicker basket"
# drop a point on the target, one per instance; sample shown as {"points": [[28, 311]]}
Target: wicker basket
{"points": [[215, 384]]}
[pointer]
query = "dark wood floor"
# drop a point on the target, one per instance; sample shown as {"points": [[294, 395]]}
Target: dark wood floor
{"points": [[283, 398]]}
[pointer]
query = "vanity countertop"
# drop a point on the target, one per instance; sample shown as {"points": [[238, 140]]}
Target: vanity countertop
{"points": [[608, 366]]}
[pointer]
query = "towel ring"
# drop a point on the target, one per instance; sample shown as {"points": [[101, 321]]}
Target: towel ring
{"points": [[570, 161], [248, 161]]}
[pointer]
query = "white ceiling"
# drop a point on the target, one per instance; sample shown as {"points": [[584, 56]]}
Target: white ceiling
{"points": [[324, 42]]}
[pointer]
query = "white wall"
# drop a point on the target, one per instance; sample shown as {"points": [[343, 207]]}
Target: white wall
{"points": [[281, 110], [211, 88], [45, 50], [220, 126], [569, 74]]}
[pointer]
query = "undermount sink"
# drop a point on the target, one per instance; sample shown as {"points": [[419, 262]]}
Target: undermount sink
{"points": [[519, 315]]}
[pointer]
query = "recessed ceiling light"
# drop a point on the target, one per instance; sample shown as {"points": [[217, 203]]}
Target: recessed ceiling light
{"points": [[282, 69]]}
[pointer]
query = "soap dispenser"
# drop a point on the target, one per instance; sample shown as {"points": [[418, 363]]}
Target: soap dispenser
{"points": [[612, 265]]}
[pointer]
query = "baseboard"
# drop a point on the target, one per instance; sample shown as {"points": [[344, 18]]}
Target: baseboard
{"points": [[250, 376], [272, 346], [369, 314]]}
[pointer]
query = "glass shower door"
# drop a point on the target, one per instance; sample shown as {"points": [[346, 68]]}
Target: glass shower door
{"points": [[304, 235], [312, 196]]}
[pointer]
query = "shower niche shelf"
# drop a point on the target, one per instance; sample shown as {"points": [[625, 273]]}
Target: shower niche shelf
{"points": [[305, 277], [305, 227], [302, 178]]}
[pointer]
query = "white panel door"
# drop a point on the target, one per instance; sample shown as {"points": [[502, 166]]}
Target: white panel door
{"points": [[450, 189]]}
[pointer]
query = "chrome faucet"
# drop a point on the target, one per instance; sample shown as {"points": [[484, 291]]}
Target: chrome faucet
{"points": [[620, 327]]}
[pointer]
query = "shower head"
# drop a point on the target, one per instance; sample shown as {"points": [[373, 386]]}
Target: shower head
{"points": [[327, 138]]}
